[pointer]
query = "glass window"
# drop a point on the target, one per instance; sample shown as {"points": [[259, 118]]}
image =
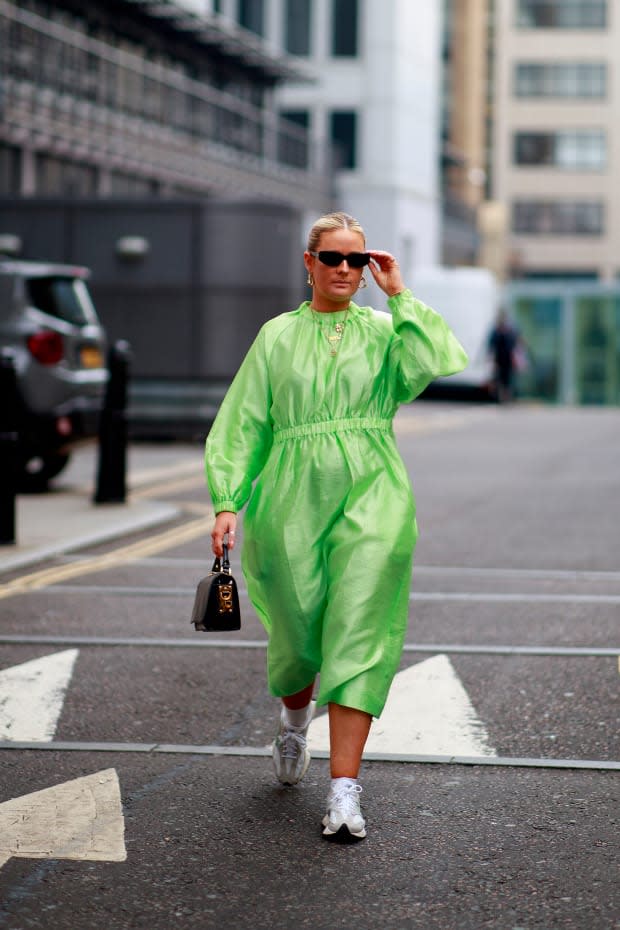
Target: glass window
{"points": [[343, 132], [568, 80], [10, 169], [293, 148], [562, 14], [557, 217], [58, 176], [297, 27], [578, 150], [344, 28], [251, 15], [131, 185], [65, 298]]}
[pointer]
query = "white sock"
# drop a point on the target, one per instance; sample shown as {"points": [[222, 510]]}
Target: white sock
{"points": [[296, 718], [343, 782]]}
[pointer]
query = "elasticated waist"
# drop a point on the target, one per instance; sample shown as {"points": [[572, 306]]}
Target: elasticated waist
{"points": [[332, 426]]}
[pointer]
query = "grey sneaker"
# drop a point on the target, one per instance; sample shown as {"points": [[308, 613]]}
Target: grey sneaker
{"points": [[343, 820], [291, 756]]}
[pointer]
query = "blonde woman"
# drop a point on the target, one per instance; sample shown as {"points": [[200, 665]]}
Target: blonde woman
{"points": [[330, 526]]}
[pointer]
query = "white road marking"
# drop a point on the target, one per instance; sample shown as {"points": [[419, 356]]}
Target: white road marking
{"points": [[428, 712], [264, 752], [32, 695], [80, 819], [190, 642], [517, 598], [495, 597], [559, 574]]}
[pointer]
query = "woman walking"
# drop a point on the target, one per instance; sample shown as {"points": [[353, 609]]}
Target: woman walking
{"points": [[330, 526]]}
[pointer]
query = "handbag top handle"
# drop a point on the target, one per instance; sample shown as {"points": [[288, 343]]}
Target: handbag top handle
{"points": [[224, 564]]}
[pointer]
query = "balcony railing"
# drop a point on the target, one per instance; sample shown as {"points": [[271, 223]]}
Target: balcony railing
{"points": [[73, 95]]}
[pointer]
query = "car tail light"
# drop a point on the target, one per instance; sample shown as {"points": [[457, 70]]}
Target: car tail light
{"points": [[63, 426], [46, 347]]}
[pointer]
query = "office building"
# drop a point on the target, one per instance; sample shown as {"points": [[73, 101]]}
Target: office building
{"points": [[376, 101], [314, 103], [556, 137], [147, 99]]}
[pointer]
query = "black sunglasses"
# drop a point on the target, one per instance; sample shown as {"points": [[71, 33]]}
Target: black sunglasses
{"points": [[333, 259]]}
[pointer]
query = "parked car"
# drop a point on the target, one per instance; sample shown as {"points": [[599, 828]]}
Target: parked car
{"points": [[49, 323]]}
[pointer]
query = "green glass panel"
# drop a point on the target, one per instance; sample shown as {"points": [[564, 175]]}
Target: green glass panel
{"points": [[597, 347], [539, 322]]}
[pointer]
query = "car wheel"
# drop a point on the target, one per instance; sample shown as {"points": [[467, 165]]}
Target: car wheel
{"points": [[37, 472]]}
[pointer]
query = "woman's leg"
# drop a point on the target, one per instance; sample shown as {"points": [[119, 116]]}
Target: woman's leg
{"points": [[299, 700], [291, 756], [348, 732]]}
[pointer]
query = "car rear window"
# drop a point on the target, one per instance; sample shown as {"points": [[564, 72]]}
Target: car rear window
{"points": [[65, 298]]}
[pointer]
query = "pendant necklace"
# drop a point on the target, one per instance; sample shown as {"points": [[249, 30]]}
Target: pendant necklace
{"points": [[334, 338]]}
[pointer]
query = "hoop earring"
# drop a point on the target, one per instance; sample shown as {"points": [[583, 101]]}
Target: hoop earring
{"points": [[363, 283], [310, 279]]}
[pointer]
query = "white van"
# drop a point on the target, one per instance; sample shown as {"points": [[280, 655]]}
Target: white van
{"points": [[468, 299]]}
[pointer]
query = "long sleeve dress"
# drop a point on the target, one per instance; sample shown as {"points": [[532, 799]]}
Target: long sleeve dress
{"points": [[330, 527]]}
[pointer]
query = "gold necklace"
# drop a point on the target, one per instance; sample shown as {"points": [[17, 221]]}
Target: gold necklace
{"points": [[333, 338]]}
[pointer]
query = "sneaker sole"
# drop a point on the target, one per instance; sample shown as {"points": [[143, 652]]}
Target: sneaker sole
{"points": [[343, 835]]}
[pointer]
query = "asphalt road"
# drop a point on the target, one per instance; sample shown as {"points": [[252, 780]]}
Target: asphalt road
{"points": [[516, 593]]}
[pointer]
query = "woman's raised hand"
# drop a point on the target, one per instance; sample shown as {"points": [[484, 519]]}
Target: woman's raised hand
{"points": [[386, 272], [225, 523]]}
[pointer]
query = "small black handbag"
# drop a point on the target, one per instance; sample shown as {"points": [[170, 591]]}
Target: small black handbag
{"points": [[216, 605]]}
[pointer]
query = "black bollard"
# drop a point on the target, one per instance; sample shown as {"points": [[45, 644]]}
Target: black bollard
{"points": [[112, 463], [10, 406]]}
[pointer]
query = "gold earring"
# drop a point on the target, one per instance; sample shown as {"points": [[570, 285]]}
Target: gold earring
{"points": [[363, 282], [310, 279]]}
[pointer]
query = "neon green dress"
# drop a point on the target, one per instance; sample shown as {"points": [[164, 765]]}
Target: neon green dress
{"points": [[330, 526]]}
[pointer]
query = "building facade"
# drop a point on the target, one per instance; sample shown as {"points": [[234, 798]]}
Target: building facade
{"points": [[556, 137], [465, 120], [316, 103], [377, 103], [137, 98], [374, 104]]}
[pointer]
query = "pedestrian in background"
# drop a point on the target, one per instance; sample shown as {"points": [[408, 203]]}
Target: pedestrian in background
{"points": [[506, 351], [330, 526]]}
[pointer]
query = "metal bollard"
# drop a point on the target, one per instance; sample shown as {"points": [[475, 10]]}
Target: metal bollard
{"points": [[112, 462], [10, 406]]}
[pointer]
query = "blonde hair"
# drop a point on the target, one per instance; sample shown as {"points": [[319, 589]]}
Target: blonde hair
{"points": [[331, 221]]}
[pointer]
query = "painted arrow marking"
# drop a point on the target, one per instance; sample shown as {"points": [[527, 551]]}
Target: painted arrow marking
{"points": [[32, 695], [428, 712], [80, 819]]}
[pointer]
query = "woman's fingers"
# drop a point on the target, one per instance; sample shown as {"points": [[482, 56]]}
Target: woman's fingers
{"points": [[225, 525], [386, 271]]}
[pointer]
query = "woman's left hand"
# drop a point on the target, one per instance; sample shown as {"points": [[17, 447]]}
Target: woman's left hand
{"points": [[386, 272]]}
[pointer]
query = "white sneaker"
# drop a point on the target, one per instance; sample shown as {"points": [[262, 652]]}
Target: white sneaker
{"points": [[343, 819], [291, 756]]}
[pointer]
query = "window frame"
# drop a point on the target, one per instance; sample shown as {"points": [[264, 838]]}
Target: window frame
{"points": [[546, 80], [558, 218], [345, 45], [304, 12], [560, 143], [349, 145], [560, 12]]}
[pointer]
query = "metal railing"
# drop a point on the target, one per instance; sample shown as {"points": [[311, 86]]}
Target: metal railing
{"points": [[71, 93]]}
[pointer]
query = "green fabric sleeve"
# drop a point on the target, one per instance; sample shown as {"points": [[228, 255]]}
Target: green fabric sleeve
{"points": [[424, 347], [241, 436]]}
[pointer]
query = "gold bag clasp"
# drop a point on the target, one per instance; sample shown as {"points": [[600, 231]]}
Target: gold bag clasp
{"points": [[225, 598]]}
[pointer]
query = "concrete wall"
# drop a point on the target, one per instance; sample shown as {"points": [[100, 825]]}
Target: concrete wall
{"points": [[213, 273]]}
